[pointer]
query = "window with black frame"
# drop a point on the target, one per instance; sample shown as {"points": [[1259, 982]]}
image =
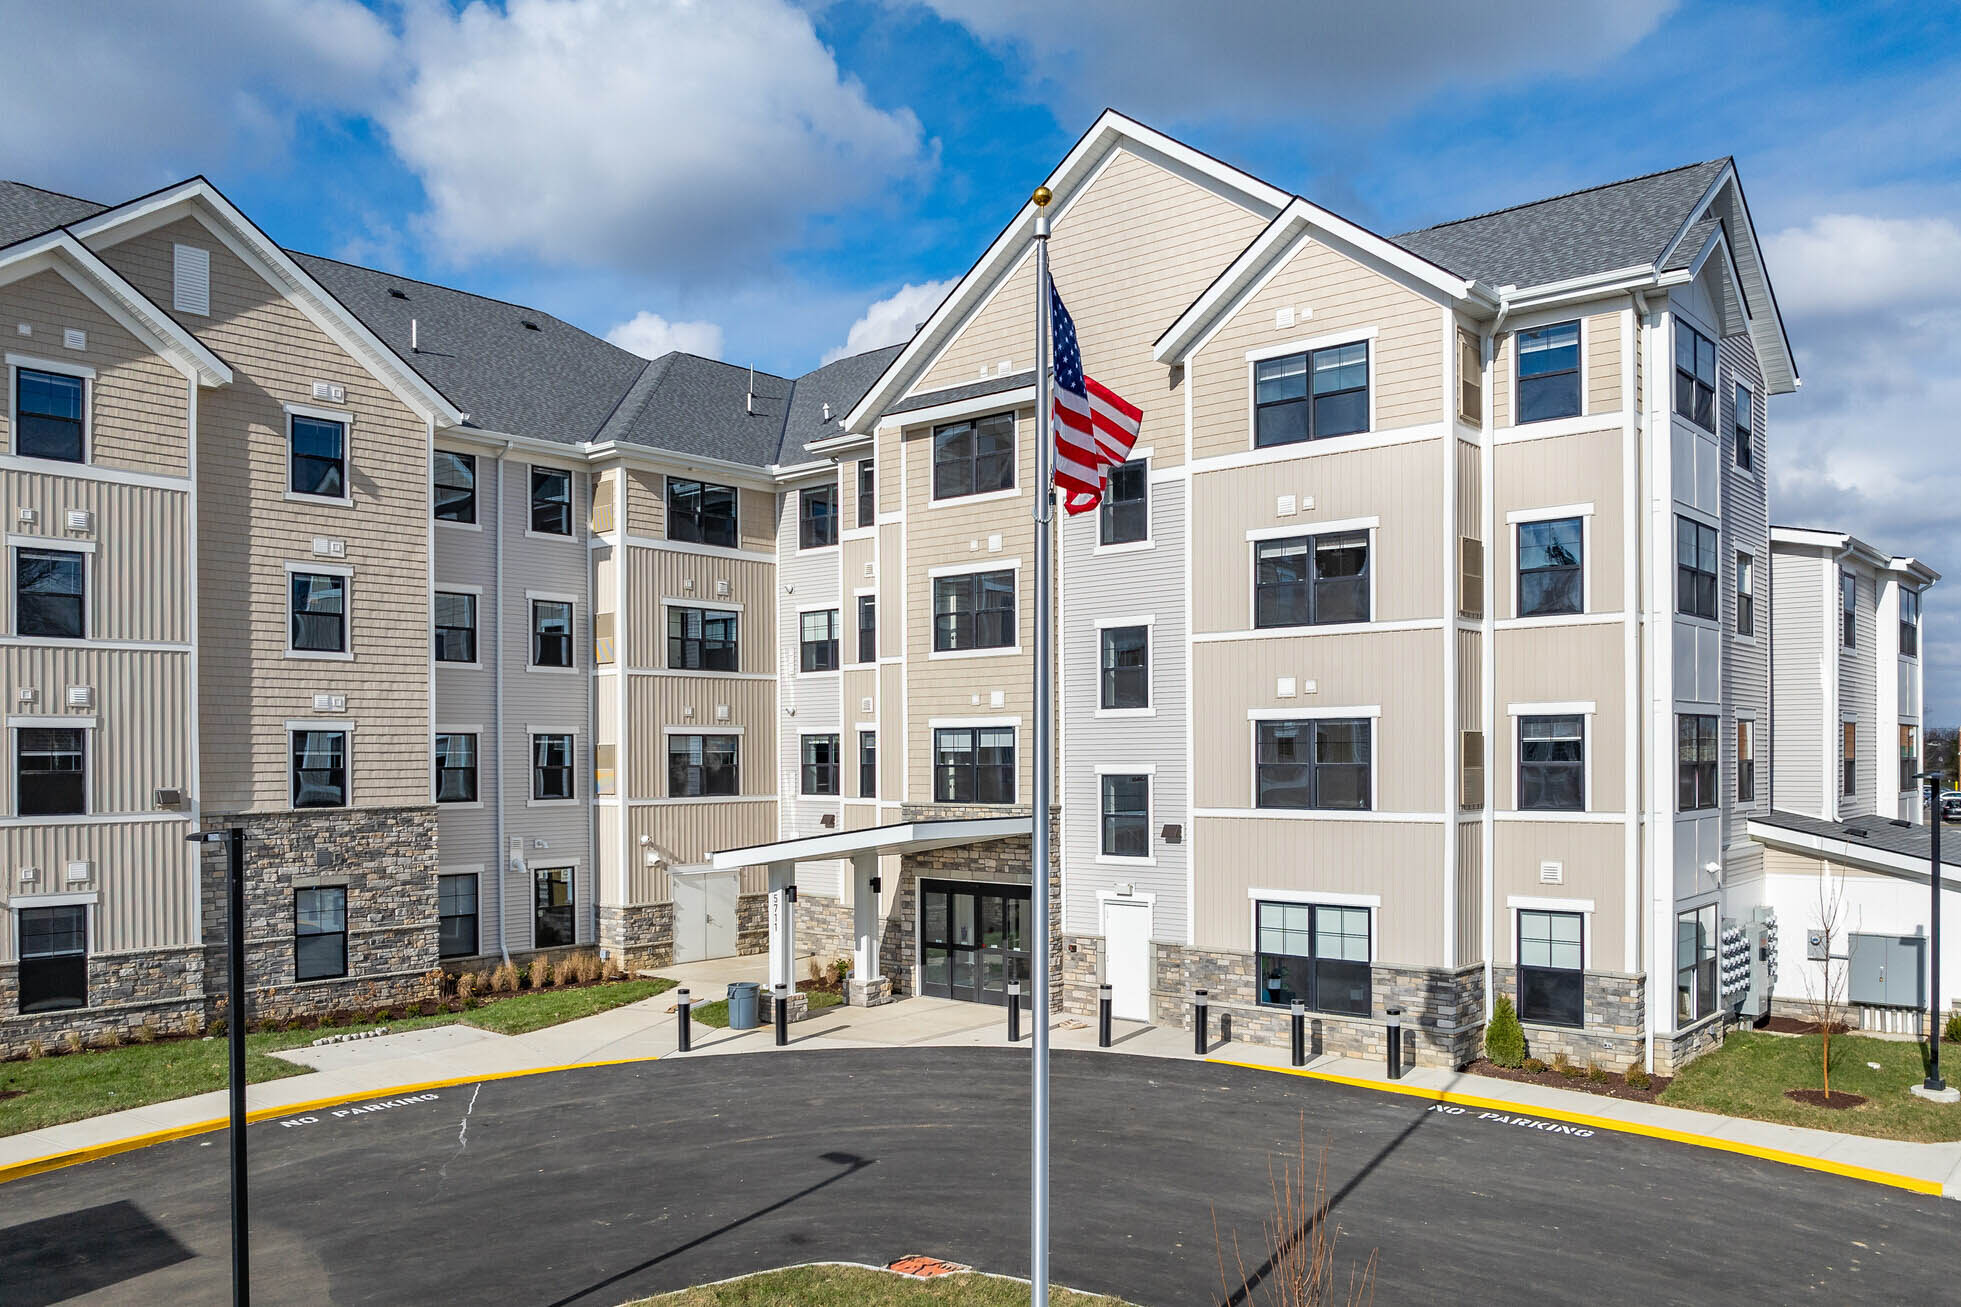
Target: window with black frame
{"points": [[1552, 763], [974, 610], [702, 639], [1848, 762], [551, 501], [456, 768], [867, 628], [974, 764], [1909, 758], [1910, 623], [551, 633], [1695, 964], [1745, 424], [456, 487], [702, 513], [1746, 760], [1695, 376], [319, 612], [1549, 372], [49, 409], [319, 769], [701, 765], [867, 764], [1126, 816], [1551, 968], [53, 975], [1311, 580], [1125, 516], [50, 591], [50, 771], [975, 457], [320, 932], [818, 645], [456, 626], [551, 919], [867, 493], [817, 516], [456, 915], [1314, 954], [1125, 656], [1746, 599], [317, 463], [1311, 396], [1695, 762], [551, 767], [821, 765], [1551, 573], [1318, 763], [1848, 610], [1696, 569]]}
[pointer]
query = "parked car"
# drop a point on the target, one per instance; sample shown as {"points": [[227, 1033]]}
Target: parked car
{"points": [[1951, 806]]}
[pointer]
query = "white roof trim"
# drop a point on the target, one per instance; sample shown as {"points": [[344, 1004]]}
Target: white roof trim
{"points": [[1865, 856], [904, 837]]}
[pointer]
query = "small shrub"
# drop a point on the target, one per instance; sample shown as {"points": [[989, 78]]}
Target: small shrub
{"points": [[504, 979], [1637, 1077], [72, 1042], [1565, 1067], [1504, 1038], [1597, 1074], [36, 1050], [435, 982], [214, 1027], [1952, 1031], [110, 1038], [613, 970], [841, 971], [1534, 1065], [466, 985], [146, 1033], [590, 968], [540, 973]]}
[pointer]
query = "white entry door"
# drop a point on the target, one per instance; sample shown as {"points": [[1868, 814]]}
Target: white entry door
{"points": [[1127, 959], [704, 915]]}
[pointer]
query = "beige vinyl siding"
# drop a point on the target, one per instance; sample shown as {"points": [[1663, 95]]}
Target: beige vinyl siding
{"points": [[606, 818], [142, 705], [1470, 496], [1401, 485], [1592, 860], [654, 575], [857, 570], [1554, 472], [1470, 674], [893, 726], [891, 591], [141, 549], [1470, 893], [1602, 334], [646, 508], [690, 833], [646, 504], [144, 872], [138, 402], [605, 710], [1406, 357], [1563, 664], [1501, 383], [655, 703], [848, 489], [891, 484]]}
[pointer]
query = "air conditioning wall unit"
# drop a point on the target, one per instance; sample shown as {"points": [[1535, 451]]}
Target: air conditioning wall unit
{"points": [[169, 798], [330, 392]]}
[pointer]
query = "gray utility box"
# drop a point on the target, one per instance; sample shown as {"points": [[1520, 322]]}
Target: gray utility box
{"points": [[1887, 970]]}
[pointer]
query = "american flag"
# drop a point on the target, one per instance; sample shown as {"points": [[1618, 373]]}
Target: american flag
{"points": [[1094, 426]]}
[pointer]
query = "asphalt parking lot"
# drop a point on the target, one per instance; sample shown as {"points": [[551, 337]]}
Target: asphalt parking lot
{"points": [[596, 1186]]}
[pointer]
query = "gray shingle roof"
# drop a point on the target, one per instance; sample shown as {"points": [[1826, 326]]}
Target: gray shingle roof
{"points": [[1883, 833], [1692, 243], [972, 390], [693, 405], [840, 383], [28, 211], [1619, 225]]}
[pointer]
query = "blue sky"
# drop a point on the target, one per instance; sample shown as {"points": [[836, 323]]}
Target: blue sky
{"points": [[769, 182]]}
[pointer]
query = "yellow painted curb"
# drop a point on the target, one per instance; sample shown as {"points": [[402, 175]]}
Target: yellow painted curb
{"points": [[56, 1161], [1911, 1183]]}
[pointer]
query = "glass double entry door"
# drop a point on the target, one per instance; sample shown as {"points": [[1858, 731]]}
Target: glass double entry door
{"points": [[973, 940]]}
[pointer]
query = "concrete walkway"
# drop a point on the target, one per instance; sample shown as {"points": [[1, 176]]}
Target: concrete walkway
{"points": [[422, 1059]]}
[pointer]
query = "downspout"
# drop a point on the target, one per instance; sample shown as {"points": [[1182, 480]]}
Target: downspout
{"points": [[497, 706], [1632, 603], [1487, 669]]}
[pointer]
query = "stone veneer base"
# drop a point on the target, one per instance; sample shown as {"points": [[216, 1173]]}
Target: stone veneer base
{"points": [[162, 989]]}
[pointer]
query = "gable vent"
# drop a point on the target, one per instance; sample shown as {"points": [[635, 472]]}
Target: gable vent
{"points": [[397, 293], [190, 288]]}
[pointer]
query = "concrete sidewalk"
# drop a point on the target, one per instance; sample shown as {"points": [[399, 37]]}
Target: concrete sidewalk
{"points": [[422, 1059]]}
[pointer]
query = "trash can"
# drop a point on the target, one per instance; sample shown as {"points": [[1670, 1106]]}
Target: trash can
{"points": [[743, 1004]]}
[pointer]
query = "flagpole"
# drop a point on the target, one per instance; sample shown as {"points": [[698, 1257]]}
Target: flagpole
{"points": [[1038, 1234]]}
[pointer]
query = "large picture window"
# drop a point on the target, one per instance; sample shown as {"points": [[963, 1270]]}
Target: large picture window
{"points": [[1125, 656], [551, 918], [551, 767], [701, 639], [1126, 816], [456, 487], [456, 909], [319, 612], [1311, 396], [1125, 516], [818, 643], [551, 501], [1552, 763], [320, 932], [1551, 555], [317, 459], [701, 513], [456, 626], [1551, 968], [820, 765], [817, 516], [1549, 372], [319, 769], [1695, 376], [974, 610], [551, 633], [1322, 763], [1696, 569], [456, 768], [1314, 954], [50, 586], [1695, 762], [1695, 964], [48, 416], [974, 458], [974, 765], [701, 765], [1311, 580], [54, 959]]}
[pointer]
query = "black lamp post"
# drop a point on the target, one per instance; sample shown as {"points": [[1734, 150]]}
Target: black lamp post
{"points": [[1934, 1081], [234, 842]]}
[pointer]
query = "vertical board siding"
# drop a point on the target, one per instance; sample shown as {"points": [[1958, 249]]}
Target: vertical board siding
{"points": [[690, 833], [1553, 472], [141, 707], [1563, 664], [1470, 893], [688, 703], [812, 704], [654, 575], [1592, 860], [144, 873], [138, 572]]}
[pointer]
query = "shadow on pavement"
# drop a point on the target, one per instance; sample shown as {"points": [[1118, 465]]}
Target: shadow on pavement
{"points": [[43, 1261]]}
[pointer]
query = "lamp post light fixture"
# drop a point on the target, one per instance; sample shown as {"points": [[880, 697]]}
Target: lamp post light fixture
{"points": [[233, 841], [1934, 1084]]}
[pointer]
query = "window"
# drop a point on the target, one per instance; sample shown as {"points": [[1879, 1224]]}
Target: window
{"points": [[1313, 764], [1909, 758], [867, 628], [1311, 396], [1126, 512], [817, 516], [701, 639], [867, 493], [1552, 763], [1550, 577], [1126, 661], [867, 764], [1695, 569], [1848, 608], [1126, 816], [48, 593], [1695, 964], [319, 769], [320, 932], [551, 633], [1311, 580], [50, 771], [317, 464], [1315, 955], [456, 487], [48, 409], [819, 631], [820, 764], [1746, 760], [551, 501], [1695, 762], [1551, 978], [319, 612], [701, 513], [1746, 421], [1848, 764], [456, 768], [975, 610], [456, 627], [456, 910], [974, 765], [54, 961], [1910, 623], [1549, 372], [605, 768], [551, 767], [974, 458], [699, 765], [1695, 376], [1746, 603], [551, 919]]}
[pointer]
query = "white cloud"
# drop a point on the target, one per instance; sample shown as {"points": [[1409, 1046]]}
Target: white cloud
{"points": [[892, 320], [650, 335], [1250, 59], [688, 137], [1845, 263]]}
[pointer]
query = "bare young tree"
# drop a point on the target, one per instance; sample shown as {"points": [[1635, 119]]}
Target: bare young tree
{"points": [[1826, 995], [1299, 1270]]}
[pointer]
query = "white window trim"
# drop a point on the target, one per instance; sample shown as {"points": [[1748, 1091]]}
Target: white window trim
{"points": [[836, 735], [14, 726], [1254, 357], [934, 724], [346, 420], [1306, 532], [1314, 528], [1370, 903], [344, 729], [531, 629], [571, 503], [1558, 316], [1517, 903], [1583, 709], [50, 544], [1149, 622], [1014, 458], [837, 627], [1254, 716], [346, 573], [476, 490], [1149, 772], [1738, 391], [741, 754], [1098, 548], [531, 771], [1555, 513], [83, 373], [475, 592], [948, 570], [477, 732]]}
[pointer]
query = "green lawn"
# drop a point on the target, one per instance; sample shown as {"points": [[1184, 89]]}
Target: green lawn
{"points": [[847, 1286], [716, 1014], [78, 1085], [1748, 1075]]}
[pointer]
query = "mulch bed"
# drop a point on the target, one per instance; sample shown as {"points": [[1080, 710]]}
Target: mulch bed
{"points": [[1795, 1026], [1816, 1098], [1612, 1087], [5, 1094]]}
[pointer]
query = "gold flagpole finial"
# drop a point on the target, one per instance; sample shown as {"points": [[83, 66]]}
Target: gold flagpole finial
{"points": [[1042, 197]]}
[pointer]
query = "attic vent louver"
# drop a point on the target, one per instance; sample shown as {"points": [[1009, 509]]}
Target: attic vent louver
{"points": [[528, 324], [395, 293]]}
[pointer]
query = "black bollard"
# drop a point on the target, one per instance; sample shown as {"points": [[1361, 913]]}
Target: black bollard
{"points": [[1201, 1036], [1300, 1033], [685, 1040], [1014, 1011], [1395, 1043], [1103, 1016], [782, 1015]]}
